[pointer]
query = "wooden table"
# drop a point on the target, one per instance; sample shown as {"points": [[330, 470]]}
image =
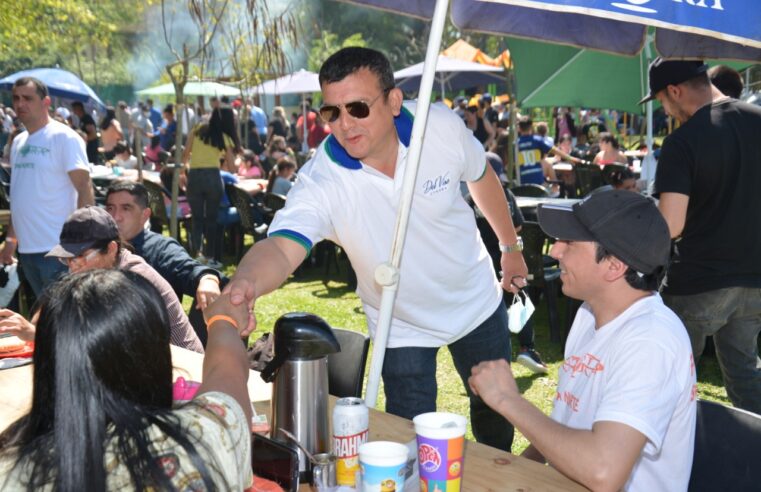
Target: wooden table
{"points": [[16, 384], [485, 469], [252, 186], [104, 175]]}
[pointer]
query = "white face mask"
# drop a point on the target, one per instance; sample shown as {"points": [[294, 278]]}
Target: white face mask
{"points": [[519, 311]]}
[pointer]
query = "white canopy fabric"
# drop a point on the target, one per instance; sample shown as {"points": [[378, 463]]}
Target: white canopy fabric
{"points": [[195, 88], [451, 74], [300, 82]]}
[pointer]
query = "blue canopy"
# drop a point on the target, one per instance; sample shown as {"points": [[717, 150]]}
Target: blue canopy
{"points": [[60, 84], [727, 29]]}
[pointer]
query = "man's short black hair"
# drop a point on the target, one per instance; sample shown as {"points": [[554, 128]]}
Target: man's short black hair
{"points": [[39, 86], [640, 281], [78, 104], [134, 188], [727, 80], [347, 61], [525, 124]]}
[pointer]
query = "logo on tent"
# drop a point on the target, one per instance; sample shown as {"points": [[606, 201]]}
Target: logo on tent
{"points": [[635, 6]]}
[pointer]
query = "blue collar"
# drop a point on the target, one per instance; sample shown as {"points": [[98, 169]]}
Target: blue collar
{"points": [[338, 154]]}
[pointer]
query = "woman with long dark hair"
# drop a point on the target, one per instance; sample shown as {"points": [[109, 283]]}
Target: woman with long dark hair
{"points": [[610, 151], [207, 143], [102, 416], [110, 132]]}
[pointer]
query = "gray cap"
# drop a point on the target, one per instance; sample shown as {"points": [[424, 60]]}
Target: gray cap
{"points": [[625, 223]]}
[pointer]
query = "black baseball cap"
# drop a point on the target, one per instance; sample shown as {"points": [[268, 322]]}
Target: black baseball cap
{"points": [[83, 229], [671, 72], [625, 223]]}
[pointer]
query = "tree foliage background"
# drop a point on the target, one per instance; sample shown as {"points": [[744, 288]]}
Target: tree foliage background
{"points": [[84, 37], [112, 42]]}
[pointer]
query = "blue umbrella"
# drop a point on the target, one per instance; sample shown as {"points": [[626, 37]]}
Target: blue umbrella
{"points": [[60, 84], [729, 29]]}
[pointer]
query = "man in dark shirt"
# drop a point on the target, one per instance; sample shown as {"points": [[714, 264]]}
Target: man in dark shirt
{"points": [[87, 125], [127, 202], [707, 181]]}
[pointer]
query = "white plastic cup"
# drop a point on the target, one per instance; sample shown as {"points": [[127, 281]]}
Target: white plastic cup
{"points": [[441, 450], [382, 465]]}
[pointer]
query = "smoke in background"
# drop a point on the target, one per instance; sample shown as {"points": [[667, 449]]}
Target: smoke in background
{"points": [[152, 53]]}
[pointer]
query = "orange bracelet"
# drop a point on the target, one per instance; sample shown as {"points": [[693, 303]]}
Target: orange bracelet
{"points": [[221, 317]]}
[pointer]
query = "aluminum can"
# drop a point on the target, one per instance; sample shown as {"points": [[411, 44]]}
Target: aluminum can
{"points": [[350, 427]]}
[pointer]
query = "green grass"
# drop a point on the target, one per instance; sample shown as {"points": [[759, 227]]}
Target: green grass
{"points": [[328, 296]]}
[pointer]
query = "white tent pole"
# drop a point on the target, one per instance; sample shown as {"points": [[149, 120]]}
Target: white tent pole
{"points": [[304, 144], [387, 274], [649, 55]]}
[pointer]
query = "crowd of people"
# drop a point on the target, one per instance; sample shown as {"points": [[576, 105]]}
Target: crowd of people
{"points": [[655, 279]]}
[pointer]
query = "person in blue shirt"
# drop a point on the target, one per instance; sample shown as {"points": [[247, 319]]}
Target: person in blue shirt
{"points": [[153, 114], [532, 150], [168, 129], [259, 118]]}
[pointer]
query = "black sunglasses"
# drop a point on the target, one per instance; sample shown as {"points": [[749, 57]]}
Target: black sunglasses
{"points": [[356, 109]]}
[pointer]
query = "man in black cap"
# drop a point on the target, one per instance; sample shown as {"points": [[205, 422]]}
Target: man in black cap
{"points": [[624, 412], [707, 181]]}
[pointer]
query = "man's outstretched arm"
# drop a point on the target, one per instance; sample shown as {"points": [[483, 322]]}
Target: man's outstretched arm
{"points": [[263, 269]]}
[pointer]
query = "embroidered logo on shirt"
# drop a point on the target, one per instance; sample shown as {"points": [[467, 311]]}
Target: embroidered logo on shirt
{"points": [[436, 185]]}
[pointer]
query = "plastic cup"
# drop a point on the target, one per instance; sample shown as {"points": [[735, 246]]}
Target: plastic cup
{"points": [[440, 441], [382, 465]]}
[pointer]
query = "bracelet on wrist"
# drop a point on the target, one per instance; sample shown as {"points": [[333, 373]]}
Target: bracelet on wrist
{"points": [[221, 317], [11, 240]]}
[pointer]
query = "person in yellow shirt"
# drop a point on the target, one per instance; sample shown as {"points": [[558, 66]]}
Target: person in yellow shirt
{"points": [[207, 144]]}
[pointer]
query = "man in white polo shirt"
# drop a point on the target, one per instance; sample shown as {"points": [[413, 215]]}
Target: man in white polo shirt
{"points": [[50, 178], [349, 193], [624, 412]]}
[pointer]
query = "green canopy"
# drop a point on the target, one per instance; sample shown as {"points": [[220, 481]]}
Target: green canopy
{"points": [[553, 75]]}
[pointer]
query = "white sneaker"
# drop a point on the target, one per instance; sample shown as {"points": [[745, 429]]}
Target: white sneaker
{"points": [[529, 358]]}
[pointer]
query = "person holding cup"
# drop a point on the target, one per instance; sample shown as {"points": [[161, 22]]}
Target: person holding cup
{"points": [[624, 413]]}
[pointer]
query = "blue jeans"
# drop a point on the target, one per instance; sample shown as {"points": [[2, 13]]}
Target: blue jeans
{"points": [[733, 317], [40, 271], [409, 378]]}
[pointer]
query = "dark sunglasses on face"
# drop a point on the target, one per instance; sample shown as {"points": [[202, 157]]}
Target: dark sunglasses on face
{"points": [[356, 109]]}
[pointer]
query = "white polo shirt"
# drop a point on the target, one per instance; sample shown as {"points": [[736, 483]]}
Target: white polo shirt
{"points": [[447, 285]]}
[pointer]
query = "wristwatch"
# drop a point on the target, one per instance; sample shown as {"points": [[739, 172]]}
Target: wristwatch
{"points": [[512, 248]]}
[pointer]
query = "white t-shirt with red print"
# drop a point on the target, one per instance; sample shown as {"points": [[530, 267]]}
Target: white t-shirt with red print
{"points": [[638, 370]]}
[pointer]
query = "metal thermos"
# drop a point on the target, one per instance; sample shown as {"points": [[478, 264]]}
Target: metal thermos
{"points": [[299, 373]]}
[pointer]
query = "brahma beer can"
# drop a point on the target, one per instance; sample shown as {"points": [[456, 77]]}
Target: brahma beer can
{"points": [[350, 424]]}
